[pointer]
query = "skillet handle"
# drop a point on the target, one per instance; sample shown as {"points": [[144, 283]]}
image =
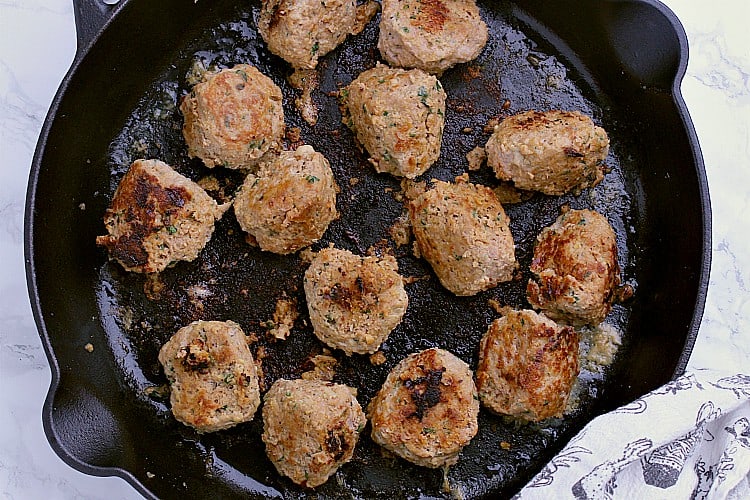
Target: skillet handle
{"points": [[91, 17]]}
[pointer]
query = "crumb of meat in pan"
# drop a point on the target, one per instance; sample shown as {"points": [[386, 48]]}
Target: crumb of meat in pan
{"points": [[354, 302], [476, 158], [508, 194], [310, 428], [575, 269], [212, 375], [461, 229], [283, 318], [324, 367], [157, 217], [305, 80], [400, 231], [427, 409], [290, 202], [553, 152], [398, 116], [233, 118], [378, 358], [527, 366], [431, 35]]}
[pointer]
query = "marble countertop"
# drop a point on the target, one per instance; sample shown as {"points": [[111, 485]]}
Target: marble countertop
{"points": [[37, 45]]}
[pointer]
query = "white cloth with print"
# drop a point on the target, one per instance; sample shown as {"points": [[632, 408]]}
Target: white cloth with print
{"points": [[689, 439]]}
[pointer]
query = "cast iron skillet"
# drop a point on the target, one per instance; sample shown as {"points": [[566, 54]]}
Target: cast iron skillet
{"points": [[620, 61]]}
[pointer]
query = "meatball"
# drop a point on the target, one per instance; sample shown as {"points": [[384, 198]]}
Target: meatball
{"points": [[290, 202], [527, 366], [212, 375], [398, 116], [462, 231], [301, 31], [233, 118], [354, 302], [553, 152], [157, 217], [575, 269], [310, 428], [427, 409], [431, 35]]}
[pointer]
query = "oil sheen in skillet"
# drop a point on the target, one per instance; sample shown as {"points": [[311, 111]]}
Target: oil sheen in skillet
{"points": [[231, 280]]}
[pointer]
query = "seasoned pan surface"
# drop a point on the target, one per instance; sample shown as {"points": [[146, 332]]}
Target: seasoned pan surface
{"points": [[107, 412]]}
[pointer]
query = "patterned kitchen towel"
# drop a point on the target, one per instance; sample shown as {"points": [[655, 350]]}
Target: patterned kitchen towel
{"points": [[689, 439]]}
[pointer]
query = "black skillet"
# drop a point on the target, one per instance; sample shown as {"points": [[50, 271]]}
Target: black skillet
{"points": [[620, 61]]}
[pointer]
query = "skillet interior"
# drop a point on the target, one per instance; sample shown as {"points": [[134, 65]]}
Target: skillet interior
{"points": [[119, 105]]}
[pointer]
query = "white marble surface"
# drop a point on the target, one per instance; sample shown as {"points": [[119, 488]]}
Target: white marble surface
{"points": [[37, 45]]}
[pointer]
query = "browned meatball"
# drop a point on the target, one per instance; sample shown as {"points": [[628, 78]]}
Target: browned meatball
{"points": [[157, 217], [310, 428], [575, 269], [553, 152], [233, 118], [398, 116], [431, 35], [302, 31], [290, 202], [354, 302], [427, 409], [527, 366], [462, 231], [212, 375]]}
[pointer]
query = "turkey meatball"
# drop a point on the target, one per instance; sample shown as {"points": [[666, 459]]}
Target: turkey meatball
{"points": [[212, 375], [398, 116], [463, 232], [157, 217], [354, 302], [575, 269], [233, 118], [553, 152], [431, 35], [302, 31], [427, 409], [527, 366], [290, 202], [310, 428]]}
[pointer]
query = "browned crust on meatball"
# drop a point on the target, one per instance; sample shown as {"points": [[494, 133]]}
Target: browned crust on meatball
{"points": [[157, 217], [575, 269], [431, 35], [233, 118], [398, 116], [310, 428], [553, 152], [427, 409], [462, 230], [212, 375], [527, 366], [290, 202], [354, 302]]}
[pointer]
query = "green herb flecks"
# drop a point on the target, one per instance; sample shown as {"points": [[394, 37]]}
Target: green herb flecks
{"points": [[242, 74]]}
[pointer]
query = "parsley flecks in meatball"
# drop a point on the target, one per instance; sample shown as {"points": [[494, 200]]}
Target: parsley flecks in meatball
{"points": [[431, 35], [212, 375]]}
